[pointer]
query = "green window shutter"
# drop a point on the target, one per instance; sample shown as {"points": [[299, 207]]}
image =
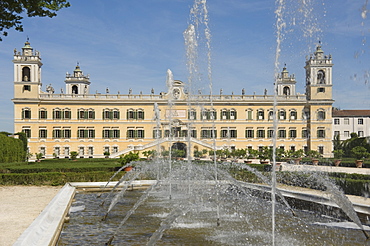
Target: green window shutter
{"points": [[93, 133], [154, 133], [103, 115], [228, 115], [110, 115], [236, 133], [135, 133], [46, 133], [93, 114], [39, 114], [127, 115], [110, 133], [86, 133], [46, 114], [53, 114], [53, 133], [143, 115], [236, 116], [118, 115], [118, 133], [62, 133], [78, 114], [252, 131], [86, 114], [127, 136], [135, 115]]}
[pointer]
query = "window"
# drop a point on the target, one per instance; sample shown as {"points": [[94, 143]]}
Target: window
{"points": [[282, 134], [90, 151], [346, 134], [56, 151], [249, 133], [321, 115], [336, 121], [26, 113], [320, 89], [224, 114], [224, 133], [43, 151], [66, 151], [270, 133], [346, 121], [67, 133], [292, 148], [43, 114], [271, 115], [260, 133], [232, 114], [336, 133], [27, 131], [81, 151], [67, 114], [233, 134], [42, 133], [321, 133], [57, 114], [321, 150], [249, 114], [157, 133], [260, 114], [293, 115], [57, 133], [360, 133], [140, 114], [115, 149], [116, 114], [305, 133], [111, 133], [140, 133], [282, 115], [360, 121], [26, 88], [292, 133]]}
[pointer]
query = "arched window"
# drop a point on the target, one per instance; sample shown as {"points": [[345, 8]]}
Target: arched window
{"points": [[260, 114], [286, 91], [26, 74], [321, 115], [321, 77], [293, 115], [282, 115], [74, 89], [271, 115]]}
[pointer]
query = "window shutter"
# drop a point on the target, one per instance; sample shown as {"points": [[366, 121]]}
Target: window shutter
{"points": [[143, 115], [127, 114], [86, 114], [93, 133], [103, 115], [39, 114], [118, 115], [110, 115], [86, 133], [118, 134]]}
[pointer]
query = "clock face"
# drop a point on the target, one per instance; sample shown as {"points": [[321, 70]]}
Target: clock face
{"points": [[176, 93]]}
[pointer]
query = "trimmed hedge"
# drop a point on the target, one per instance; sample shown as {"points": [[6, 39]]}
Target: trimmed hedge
{"points": [[11, 149], [54, 178]]}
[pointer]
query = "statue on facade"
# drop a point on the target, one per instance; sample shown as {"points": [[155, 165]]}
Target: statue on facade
{"points": [[15, 51], [152, 91], [265, 92], [85, 89], [130, 91], [243, 91], [107, 90], [221, 91], [49, 89], [61, 91]]}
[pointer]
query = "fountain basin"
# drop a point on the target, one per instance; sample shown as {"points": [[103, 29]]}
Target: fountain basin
{"points": [[45, 230]]}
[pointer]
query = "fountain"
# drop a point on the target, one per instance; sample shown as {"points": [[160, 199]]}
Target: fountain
{"points": [[190, 203]]}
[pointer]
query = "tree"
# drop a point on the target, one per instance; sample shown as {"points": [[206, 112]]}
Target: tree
{"points": [[125, 159], [11, 10], [359, 152]]}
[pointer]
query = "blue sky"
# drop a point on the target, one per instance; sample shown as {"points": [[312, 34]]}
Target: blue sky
{"points": [[132, 43]]}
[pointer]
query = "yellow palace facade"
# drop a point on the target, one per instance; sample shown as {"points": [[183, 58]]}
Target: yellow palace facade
{"points": [[91, 124]]}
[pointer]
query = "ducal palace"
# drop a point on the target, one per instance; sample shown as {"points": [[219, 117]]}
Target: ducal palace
{"points": [[91, 124]]}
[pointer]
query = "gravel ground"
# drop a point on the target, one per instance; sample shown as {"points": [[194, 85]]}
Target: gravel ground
{"points": [[19, 206]]}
